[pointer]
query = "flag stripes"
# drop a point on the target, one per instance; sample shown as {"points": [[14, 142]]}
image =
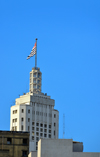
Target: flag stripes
{"points": [[33, 52]]}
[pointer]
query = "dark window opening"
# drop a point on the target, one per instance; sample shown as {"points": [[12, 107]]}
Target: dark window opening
{"points": [[49, 126], [8, 140], [54, 124], [54, 115], [32, 137], [25, 141], [24, 153]]}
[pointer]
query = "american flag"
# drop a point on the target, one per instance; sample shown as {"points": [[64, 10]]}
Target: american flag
{"points": [[33, 52]]}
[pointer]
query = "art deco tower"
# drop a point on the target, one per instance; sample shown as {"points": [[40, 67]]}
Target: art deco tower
{"points": [[34, 112]]}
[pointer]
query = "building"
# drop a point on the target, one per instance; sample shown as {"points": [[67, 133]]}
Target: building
{"points": [[34, 112], [14, 144], [61, 148]]}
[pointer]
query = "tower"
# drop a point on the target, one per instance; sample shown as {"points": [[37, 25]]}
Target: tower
{"points": [[34, 111], [35, 80]]}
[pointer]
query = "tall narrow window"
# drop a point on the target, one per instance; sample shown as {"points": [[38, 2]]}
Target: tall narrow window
{"points": [[54, 115], [15, 128], [22, 127], [54, 124], [22, 110]]}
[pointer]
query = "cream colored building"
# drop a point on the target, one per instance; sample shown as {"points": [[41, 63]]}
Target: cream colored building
{"points": [[34, 112], [61, 148]]}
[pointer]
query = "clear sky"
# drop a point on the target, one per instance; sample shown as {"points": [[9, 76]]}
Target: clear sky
{"points": [[68, 55]]}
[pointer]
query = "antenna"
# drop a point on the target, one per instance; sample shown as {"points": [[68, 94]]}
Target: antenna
{"points": [[63, 125]]}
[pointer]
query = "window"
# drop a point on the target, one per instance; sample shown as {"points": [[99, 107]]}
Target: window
{"points": [[15, 128], [8, 140], [45, 135], [41, 134], [12, 128], [45, 130], [32, 133], [41, 125], [28, 119], [28, 128], [54, 124], [37, 138], [14, 111], [28, 111], [49, 126], [34, 80], [22, 119], [13, 120], [25, 141], [49, 136], [22, 110], [41, 130], [54, 133], [37, 124], [54, 115], [38, 87], [49, 131], [34, 86], [24, 153], [32, 123], [39, 75], [32, 137], [34, 74], [32, 128], [38, 81], [37, 134], [22, 127], [45, 125], [37, 129]]}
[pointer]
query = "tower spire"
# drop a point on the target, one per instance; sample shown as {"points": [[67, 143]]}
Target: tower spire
{"points": [[36, 54]]}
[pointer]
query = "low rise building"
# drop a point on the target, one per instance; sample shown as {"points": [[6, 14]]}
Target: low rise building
{"points": [[14, 144], [61, 148]]}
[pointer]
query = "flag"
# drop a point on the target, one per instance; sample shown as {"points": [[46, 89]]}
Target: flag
{"points": [[33, 52]]}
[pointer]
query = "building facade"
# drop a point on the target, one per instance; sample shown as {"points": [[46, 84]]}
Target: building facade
{"points": [[61, 148], [34, 112], [14, 144]]}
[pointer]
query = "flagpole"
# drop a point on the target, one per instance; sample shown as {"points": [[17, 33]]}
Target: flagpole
{"points": [[36, 54]]}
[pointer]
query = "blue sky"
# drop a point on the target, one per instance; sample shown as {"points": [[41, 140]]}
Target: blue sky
{"points": [[68, 55]]}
